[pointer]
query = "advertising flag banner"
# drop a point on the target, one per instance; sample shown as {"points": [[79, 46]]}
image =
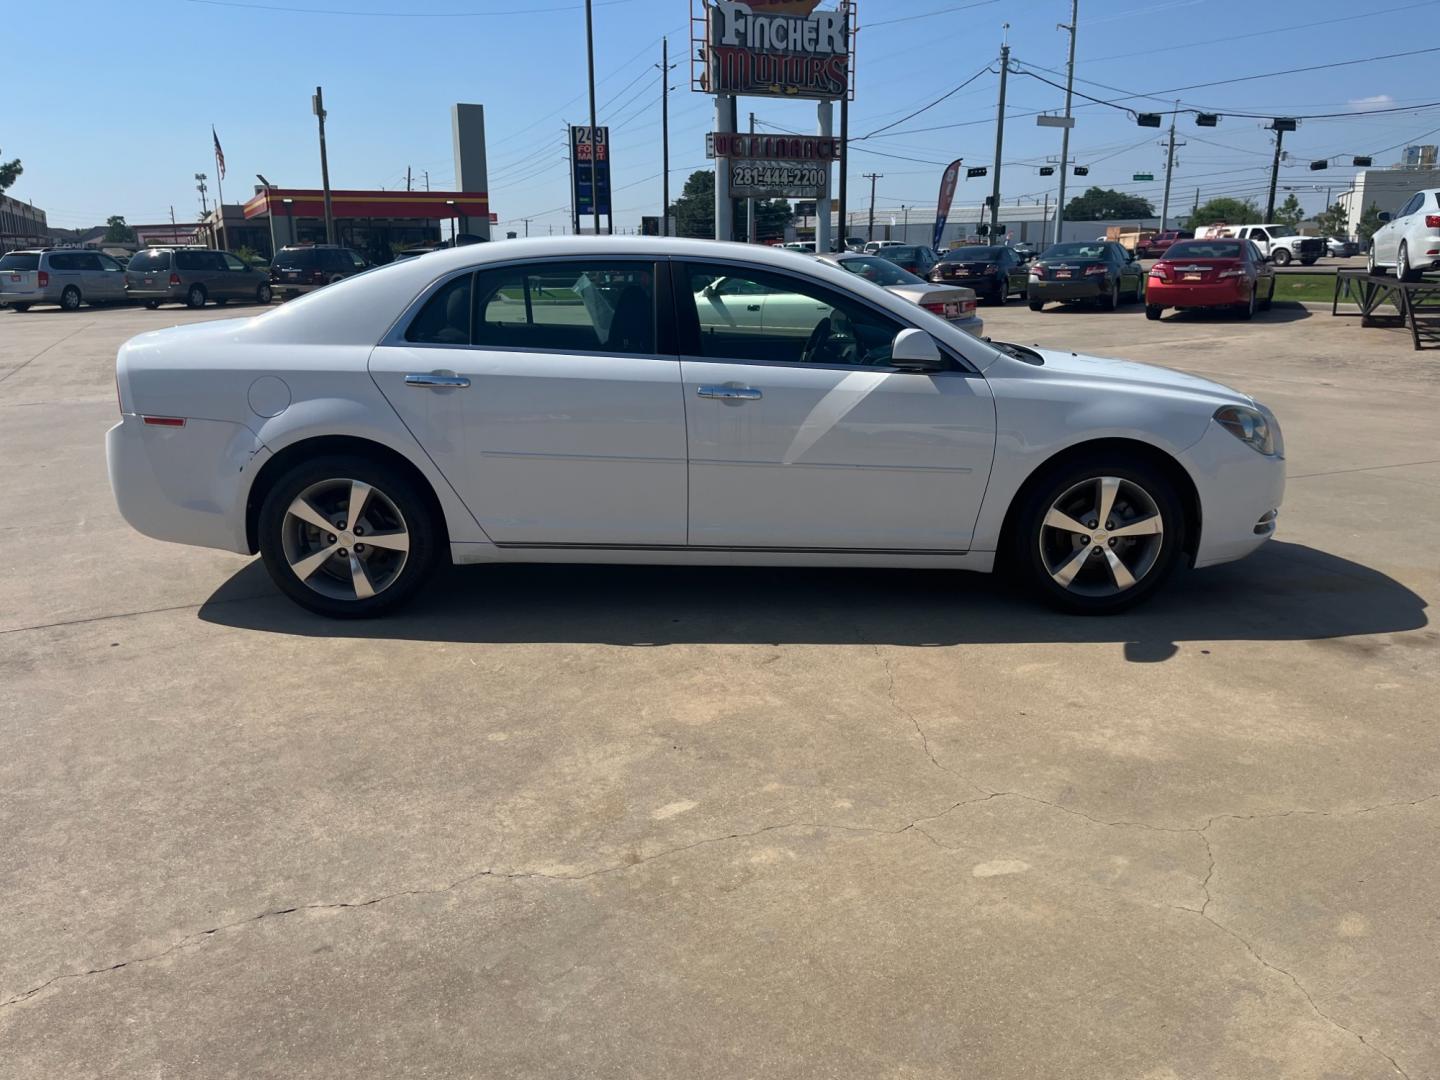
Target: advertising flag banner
{"points": [[947, 195]]}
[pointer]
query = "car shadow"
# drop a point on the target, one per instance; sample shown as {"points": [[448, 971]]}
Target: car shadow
{"points": [[1283, 311], [1284, 592]]}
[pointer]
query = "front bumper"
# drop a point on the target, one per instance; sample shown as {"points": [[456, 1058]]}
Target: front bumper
{"points": [[1240, 494], [1205, 294], [1072, 289], [184, 484]]}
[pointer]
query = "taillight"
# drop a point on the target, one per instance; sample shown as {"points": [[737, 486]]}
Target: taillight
{"points": [[1161, 270], [174, 278], [991, 268], [317, 275], [1231, 271], [1038, 270], [1432, 221], [936, 309], [165, 421], [42, 279], [967, 307]]}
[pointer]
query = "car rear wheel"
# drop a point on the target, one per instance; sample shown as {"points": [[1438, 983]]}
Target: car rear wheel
{"points": [[152, 304], [262, 294], [1036, 305], [347, 537], [21, 307], [70, 298], [1370, 267], [221, 301], [1247, 309], [195, 298], [1309, 262], [1281, 256], [1153, 311], [1111, 301], [1098, 536], [1403, 270], [1264, 305], [1001, 293]]}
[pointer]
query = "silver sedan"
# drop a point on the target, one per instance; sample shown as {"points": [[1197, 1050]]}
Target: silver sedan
{"points": [[954, 303]]}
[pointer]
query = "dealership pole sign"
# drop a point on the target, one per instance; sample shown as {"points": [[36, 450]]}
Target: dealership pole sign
{"points": [[590, 172], [774, 48]]}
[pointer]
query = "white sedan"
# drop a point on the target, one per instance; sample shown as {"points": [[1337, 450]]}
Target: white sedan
{"points": [[572, 400], [1409, 239]]}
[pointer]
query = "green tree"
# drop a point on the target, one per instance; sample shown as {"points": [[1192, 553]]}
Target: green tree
{"points": [[1290, 212], [771, 217], [694, 210], [1333, 221], [1224, 210], [117, 232], [1106, 204], [10, 172], [1369, 222]]}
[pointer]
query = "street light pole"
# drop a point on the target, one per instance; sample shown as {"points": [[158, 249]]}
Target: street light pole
{"points": [[317, 104], [1065, 136], [872, 177]]}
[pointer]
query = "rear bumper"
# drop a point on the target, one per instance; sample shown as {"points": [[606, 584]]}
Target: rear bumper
{"points": [[973, 325], [1208, 294], [184, 484], [983, 284], [33, 296], [1074, 289]]}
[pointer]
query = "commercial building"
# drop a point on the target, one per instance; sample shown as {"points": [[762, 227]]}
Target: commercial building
{"points": [[21, 225]]}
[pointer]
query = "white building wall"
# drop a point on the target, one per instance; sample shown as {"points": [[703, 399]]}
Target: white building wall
{"points": [[1389, 189]]}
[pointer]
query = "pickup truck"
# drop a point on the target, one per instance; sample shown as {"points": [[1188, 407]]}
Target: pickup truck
{"points": [[1280, 244], [1155, 245]]}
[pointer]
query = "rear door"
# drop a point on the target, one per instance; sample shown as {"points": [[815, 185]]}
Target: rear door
{"points": [[18, 273], [239, 282], [111, 278], [66, 269], [558, 415]]}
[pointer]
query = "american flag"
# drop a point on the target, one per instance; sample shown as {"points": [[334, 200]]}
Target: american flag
{"points": [[219, 154]]}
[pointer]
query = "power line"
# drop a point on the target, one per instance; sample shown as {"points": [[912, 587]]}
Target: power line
{"points": [[401, 14], [949, 93]]}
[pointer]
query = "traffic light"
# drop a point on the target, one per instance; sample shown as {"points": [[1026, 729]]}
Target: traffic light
{"points": [[1315, 166], [1283, 123], [1082, 170], [1360, 162], [982, 229], [1206, 119], [1148, 119], [979, 170], [1047, 170]]}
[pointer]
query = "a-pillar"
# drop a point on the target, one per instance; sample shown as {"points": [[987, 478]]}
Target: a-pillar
{"points": [[825, 111], [724, 207]]}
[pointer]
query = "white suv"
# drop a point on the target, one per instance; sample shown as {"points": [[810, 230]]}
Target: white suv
{"points": [[1410, 238]]}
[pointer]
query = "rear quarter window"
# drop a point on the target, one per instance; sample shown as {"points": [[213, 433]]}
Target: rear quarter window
{"points": [[191, 260]]}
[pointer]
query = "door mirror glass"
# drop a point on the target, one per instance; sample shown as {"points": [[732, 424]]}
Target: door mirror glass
{"points": [[915, 350], [1384, 215]]}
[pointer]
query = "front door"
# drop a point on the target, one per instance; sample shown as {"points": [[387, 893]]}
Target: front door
{"points": [[803, 436], [539, 392]]}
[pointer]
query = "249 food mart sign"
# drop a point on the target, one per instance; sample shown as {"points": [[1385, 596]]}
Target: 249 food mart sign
{"points": [[775, 48]]}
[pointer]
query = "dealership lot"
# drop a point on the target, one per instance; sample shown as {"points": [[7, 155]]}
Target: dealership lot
{"points": [[575, 821]]}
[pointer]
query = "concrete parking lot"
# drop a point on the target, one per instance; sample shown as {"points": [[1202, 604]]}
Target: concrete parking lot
{"points": [[615, 822]]}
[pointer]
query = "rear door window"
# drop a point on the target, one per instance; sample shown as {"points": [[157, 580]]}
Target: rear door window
{"points": [[580, 307], [232, 263], [67, 260], [190, 260]]}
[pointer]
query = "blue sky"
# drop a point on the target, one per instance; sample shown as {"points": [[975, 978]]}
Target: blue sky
{"points": [[127, 125]]}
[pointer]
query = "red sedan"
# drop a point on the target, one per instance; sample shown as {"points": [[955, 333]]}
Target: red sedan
{"points": [[1210, 273]]}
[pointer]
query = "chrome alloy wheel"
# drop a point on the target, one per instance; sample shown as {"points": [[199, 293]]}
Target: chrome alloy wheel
{"points": [[1101, 537], [345, 539]]}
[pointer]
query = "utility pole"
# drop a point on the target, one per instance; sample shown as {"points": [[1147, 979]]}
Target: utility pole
{"points": [[172, 220], [427, 179], [999, 136], [1169, 168], [843, 203], [1065, 136], [1274, 174], [665, 136], [594, 140], [752, 234], [872, 177], [527, 221], [1196, 208], [317, 105], [407, 177]]}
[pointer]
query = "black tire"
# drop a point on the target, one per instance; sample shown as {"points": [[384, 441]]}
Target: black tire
{"points": [[195, 298], [70, 299], [1036, 305], [152, 304], [1153, 312], [417, 518], [1281, 257], [221, 301], [21, 307], [1001, 294], [1111, 300], [1370, 267], [1403, 270], [1246, 311], [1027, 554], [1308, 262], [262, 294], [1264, 305]]}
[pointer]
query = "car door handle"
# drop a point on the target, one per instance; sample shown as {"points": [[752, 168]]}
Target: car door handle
{"points": [[752, 307], [730, 393], [430, 379]]}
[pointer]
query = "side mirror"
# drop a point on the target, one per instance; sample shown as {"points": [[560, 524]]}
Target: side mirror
{"points": [[1385, 215], [915, 350]]}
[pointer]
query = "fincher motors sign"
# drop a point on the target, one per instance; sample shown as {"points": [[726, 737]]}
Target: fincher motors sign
{"points": [[763, 54]]}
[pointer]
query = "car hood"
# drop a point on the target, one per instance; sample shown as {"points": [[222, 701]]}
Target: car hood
{"points": [[1107, 371]]}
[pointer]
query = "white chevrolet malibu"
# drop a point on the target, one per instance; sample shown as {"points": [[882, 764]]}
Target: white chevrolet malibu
{"points": [[629, 400]]}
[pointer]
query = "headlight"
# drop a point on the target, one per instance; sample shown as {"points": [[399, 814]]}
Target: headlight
{"points": [[1256, 428]]}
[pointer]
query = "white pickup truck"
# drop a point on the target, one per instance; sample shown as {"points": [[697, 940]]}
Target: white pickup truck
{"points": [[1281, 244]]}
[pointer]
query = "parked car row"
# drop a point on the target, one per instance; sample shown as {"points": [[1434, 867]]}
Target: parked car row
{"points": [[191, 276]]}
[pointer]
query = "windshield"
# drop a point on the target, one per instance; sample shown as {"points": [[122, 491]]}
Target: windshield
{"points": [[971, 253], [880, 271], [1281, 230], [1074, 251], [19, 260]]}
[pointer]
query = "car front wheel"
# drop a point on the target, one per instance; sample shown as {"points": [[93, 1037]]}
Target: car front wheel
{"points": [[1282, 256], [1098, 536], [347, 537]]}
